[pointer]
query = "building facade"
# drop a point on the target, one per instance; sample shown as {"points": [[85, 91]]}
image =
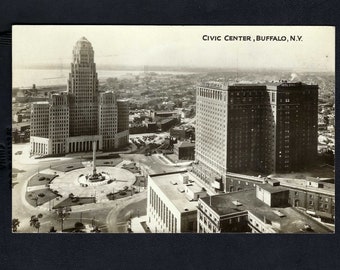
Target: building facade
{"points": [[254, 128], [172, 203], [318, 200], [263, 209], [70, 121], [185, 150]]}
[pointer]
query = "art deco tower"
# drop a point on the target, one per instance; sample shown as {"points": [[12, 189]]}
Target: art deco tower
{"points": [[72, 121], [83, 90]]}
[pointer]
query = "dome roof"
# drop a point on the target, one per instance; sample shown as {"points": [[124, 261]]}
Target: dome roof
{"points": [[83, 41]]}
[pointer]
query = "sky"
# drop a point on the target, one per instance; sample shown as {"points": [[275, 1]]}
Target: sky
{"points": [[178, 46]]}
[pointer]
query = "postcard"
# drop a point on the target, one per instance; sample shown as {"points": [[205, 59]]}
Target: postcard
{"points": [[173, 129]]}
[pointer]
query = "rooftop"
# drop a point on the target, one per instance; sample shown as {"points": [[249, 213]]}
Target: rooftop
{"points": [[328, 188], [83, 43], [21, 124], [166, 112], [170, 185], [282, 220], [83, 40], [164, 121], [41, 102], [193, 187], [290, 181], [186, 144], [257, 85], [272, 189]]}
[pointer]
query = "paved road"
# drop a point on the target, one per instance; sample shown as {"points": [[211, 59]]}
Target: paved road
{"points": [[110, 216], [118, 217]]}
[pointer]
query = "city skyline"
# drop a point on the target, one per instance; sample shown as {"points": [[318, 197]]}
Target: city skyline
{"points": [[178, 46]]}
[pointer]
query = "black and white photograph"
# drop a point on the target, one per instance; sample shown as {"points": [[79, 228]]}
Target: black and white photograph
{"points": [[173, 129]]}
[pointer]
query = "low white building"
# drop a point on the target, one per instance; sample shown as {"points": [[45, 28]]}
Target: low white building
{"points": [[172, 203]]}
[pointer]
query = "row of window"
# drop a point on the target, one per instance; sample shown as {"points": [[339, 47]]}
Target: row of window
{"points": [[162, 211]]}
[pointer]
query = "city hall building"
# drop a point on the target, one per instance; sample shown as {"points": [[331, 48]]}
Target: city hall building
{"points": [[70, 121], [257, 128]]}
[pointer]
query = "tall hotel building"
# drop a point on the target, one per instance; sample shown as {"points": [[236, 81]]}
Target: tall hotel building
{"points": [[253, 128], [70, 121]]}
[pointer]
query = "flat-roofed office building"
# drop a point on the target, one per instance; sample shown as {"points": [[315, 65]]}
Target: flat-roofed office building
{"points": [[172, 203], [263, 209]]}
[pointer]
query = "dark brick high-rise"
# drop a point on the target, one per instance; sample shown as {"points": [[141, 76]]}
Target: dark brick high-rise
{"points": [[245, 128]]}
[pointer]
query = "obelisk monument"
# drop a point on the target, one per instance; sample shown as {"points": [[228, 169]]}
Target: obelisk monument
{"points": [[94, 146]]}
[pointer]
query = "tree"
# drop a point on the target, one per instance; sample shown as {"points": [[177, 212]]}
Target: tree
{"points": [[62, 214], [79, 227], [34, 222], [37, 225], [15, 224], [35, 198]]}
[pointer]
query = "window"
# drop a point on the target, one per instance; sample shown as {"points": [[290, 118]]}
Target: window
{"points": [[273, 97]]}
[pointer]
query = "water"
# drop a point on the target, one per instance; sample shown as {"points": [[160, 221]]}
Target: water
{"points": [[50, 77]]}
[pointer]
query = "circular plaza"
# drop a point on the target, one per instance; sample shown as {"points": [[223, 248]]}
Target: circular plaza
{"points": [[73, 182]]}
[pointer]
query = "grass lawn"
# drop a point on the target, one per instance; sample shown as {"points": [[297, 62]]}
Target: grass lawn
{"points": [[131, 167], [68, 167], [140, 181], [111, 163], [75, 201], [120, 194], [42, 196], [41, 179]]}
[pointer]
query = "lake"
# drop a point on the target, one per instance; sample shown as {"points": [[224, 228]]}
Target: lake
{"points": [[50, 77]]}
